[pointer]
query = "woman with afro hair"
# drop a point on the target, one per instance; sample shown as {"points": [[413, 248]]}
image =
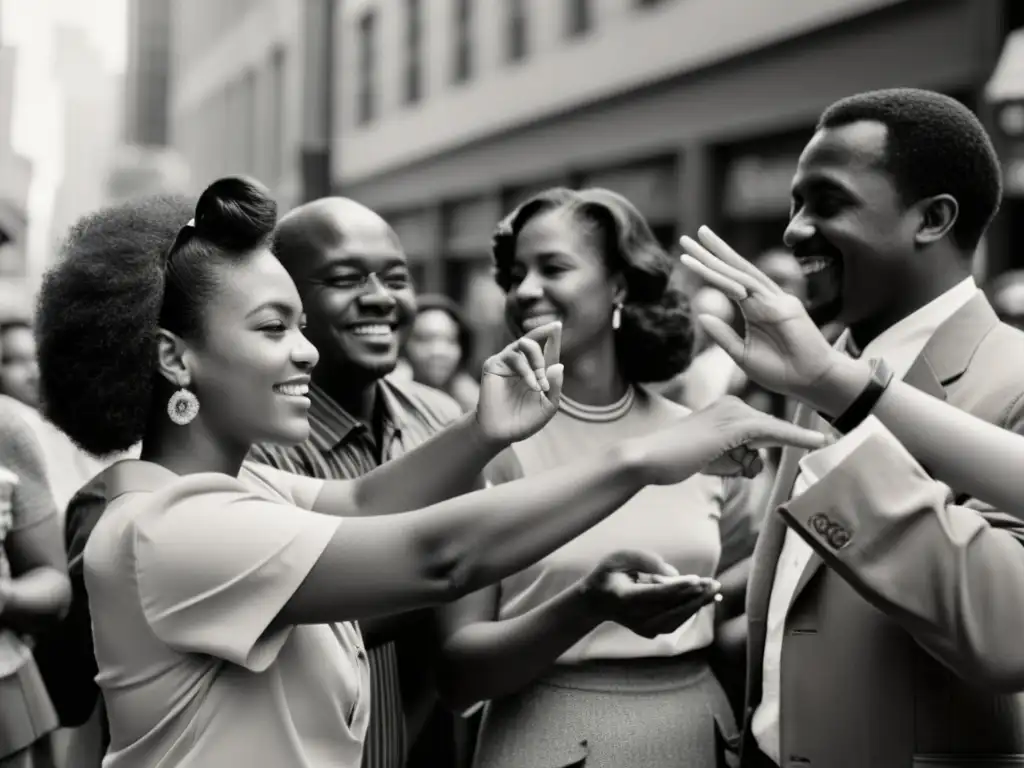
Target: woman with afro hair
{"points": [[589, 260], [224, 594]]}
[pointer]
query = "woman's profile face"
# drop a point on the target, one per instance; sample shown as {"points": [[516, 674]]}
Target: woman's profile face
{"points": [[559, 274], [251, 371], [433, 348]]}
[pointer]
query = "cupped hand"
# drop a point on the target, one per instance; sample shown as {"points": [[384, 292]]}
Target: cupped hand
{"points": [[640, 591], [521, 385], [723, 439], [783, 350]]}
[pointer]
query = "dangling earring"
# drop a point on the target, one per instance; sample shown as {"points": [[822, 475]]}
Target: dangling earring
{"points": [[617, 316], [182, 407]]}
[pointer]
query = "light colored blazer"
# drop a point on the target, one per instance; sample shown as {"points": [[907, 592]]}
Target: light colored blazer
{"points": [[909, 619]]}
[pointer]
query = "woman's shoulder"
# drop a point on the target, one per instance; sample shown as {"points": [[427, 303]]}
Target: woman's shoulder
{"points": [[275, 484], [140, 493]]}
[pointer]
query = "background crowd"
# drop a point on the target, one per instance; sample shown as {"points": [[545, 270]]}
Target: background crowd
{"points": [[435, 190]]}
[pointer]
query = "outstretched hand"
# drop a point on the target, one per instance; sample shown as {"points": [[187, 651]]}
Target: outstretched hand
{"points": [[643, 593], [521, 386], [783, 350], [723, 439]]}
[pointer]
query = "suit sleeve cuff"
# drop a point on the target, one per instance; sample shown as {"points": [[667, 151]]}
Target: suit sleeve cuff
{"points": [[878, 486]]}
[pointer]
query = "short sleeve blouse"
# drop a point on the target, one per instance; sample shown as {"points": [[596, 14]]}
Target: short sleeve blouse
{"points": [[185, 576]]}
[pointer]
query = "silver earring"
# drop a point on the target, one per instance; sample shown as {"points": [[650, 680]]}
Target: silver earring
{"points": [[617, 316], [183, 407]]}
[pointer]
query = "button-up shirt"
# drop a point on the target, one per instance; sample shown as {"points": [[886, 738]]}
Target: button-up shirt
{"points": [[339, 447], [899, 346]]}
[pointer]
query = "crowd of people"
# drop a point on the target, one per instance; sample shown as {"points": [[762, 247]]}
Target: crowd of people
{"points": [[704, 509]]}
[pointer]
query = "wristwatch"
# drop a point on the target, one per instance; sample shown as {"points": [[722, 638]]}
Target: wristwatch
{"points": [[881, 376]]}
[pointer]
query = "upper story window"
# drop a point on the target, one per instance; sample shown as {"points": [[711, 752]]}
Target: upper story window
{"points": [[463, 37], [413, 83], [517, 30], [366, 108], [579, 17], [276, 111]]}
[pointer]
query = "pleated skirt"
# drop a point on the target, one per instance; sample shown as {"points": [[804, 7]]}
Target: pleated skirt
{"points": [[27, 719], [643, 713]]}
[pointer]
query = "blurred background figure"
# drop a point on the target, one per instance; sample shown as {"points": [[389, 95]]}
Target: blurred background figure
{"points": [[783, 268], [712, 374], [19, 374], [66, 466], [1007, 294], [437, 350]]}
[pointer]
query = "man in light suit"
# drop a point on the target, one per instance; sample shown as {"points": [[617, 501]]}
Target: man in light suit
{"points": [[886, 617]]}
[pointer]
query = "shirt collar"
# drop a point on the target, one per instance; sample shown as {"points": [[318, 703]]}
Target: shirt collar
{"points": [[900, 344], [330, 424]]}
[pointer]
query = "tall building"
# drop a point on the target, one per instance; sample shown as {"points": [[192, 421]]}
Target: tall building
{"points": [[90, 99], [146, 80], [15, 180], [448, 113], [250, 84]]}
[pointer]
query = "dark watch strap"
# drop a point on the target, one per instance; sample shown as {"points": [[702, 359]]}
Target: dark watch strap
{"points": [[861, 408]]}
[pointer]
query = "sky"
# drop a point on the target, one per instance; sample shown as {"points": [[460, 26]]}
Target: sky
{"points": [[36, 130]]}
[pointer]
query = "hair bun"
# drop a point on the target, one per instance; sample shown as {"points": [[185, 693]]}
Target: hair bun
{"points": [[235, 213]]}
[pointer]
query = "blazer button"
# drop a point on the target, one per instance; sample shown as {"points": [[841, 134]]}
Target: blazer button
{"points": [[838, 537], [820, 524]]}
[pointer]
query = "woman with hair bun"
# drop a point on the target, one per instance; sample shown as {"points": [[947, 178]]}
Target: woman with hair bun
{"points": [[588, 689], [224, 594]]}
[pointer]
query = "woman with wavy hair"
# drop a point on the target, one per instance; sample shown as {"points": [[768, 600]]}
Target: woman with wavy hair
{"points": [[565, 685]]}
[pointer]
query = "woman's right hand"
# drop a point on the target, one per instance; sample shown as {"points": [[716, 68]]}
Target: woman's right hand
{"points": [[722, 439], [644, 594]]}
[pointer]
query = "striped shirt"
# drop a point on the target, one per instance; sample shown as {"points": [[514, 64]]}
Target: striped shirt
{"points": [[342, 447]]}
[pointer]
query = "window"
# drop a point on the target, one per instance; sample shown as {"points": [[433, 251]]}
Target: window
{"points": [[275, 117], [517, 30], [579, 17], [413, 86], [248, 120], [366, 108], [463, 63]]}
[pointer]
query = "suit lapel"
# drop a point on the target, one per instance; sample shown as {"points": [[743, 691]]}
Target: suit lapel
{"points": [[773, 534], [944, 359]]}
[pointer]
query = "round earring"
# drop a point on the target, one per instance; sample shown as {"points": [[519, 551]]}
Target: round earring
{"points": [[182, 407], [617, 316]]}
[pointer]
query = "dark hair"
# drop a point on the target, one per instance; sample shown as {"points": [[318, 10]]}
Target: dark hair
{"points": [[436, 302], [234, 216], [125, 272], [935, 145], [655, 340]]}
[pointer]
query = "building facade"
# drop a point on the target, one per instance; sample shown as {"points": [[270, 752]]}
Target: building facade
{"points": [[449, 112], [16, 273], [90, 97], [147, 72], [249, 80]]}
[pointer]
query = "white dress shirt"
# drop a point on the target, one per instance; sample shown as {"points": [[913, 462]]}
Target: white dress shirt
{"points": [[899, 346]]}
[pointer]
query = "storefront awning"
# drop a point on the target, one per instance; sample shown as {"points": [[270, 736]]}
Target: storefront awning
{"points": [[1007, 81]]}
